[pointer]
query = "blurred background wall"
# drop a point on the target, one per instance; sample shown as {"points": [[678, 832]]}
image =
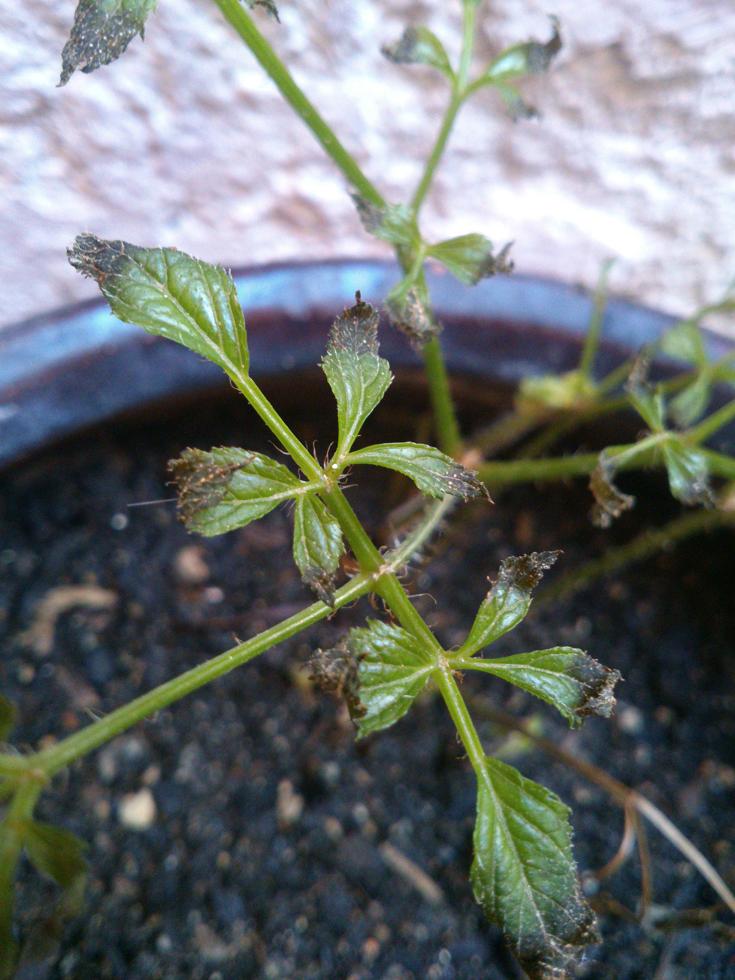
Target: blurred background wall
{"points": [[184, 141]]}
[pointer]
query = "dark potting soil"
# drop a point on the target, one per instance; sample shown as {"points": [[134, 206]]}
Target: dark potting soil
{"points": [[242, 832]]}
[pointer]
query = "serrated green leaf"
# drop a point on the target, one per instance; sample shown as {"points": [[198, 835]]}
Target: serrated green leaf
{"points": [[393, 670], [392, 223], [564, 677], [317, 545], [433, 472], [523, 873], [527, 58], [228, 488], [509, 600], [471, 258], [358, 377], [688, 472], [170, 294], [7, 717], [420, 46], [101, 32], [55, 852]]}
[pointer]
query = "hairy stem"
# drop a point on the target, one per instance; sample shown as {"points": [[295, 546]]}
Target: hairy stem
{"points": [[240, 20]]}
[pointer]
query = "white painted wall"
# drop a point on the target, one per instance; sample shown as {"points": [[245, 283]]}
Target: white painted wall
{"points": [[184, 141]]}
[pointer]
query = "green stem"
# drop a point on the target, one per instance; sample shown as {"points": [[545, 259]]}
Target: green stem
{"points": [[500, 473], [75, 746], [710, 425], [463, 722], [641, 547], [440, 395], [288, 439], [459, 91], [59, 756], [720, 464], [455, 103], [373, 563], [594, 331], [241, 21]]}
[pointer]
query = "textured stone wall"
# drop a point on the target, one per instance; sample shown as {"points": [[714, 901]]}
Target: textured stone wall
{"points": [[184, 141]]}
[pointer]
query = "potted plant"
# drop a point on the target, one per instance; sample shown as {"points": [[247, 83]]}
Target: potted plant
{"points": [[523, 873]]}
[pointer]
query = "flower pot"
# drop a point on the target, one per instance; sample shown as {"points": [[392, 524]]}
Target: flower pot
{"points": [[242, 832]]}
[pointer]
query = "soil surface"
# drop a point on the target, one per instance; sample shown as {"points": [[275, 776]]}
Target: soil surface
{"points": [[242, 832]]}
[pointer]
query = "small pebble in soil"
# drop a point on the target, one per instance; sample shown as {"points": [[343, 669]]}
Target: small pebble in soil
{"points": [[137, 810]]}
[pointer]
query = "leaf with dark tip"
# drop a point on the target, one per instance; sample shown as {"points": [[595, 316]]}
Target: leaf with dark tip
{"points": [[527, 58], [393, 670], [434, 473], [410, 313], [564, 677], [610, 502], [227, 488], [508, 601], [420, 46], [170, 294], [267, 5], [357, 375], [7, 717], [392, 223], [101, 32], [688, 472], [471, 258], [317, 545], [523, 873], [337, 671]]}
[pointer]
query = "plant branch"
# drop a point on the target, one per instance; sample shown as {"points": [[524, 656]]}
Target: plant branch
{"points": [[241, 21], [641, 547]]}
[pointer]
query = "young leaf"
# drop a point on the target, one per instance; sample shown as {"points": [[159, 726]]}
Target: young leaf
{"points": [[420, 46], [688, 473], [690, 404], [610, 502], [170, 294], [434, 473], [317, 545], [523, 873], [470, 258], [409, 311], [528, 58], [393, 670], [392, 223], [564, 677], [7, 717], [228, 488], [56, 852], [358, 377], [101, 32], [509, 600], [685, 343]]}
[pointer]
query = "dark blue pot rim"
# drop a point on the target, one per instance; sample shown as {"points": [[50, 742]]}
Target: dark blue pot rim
{"points": [[72, 368]]}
